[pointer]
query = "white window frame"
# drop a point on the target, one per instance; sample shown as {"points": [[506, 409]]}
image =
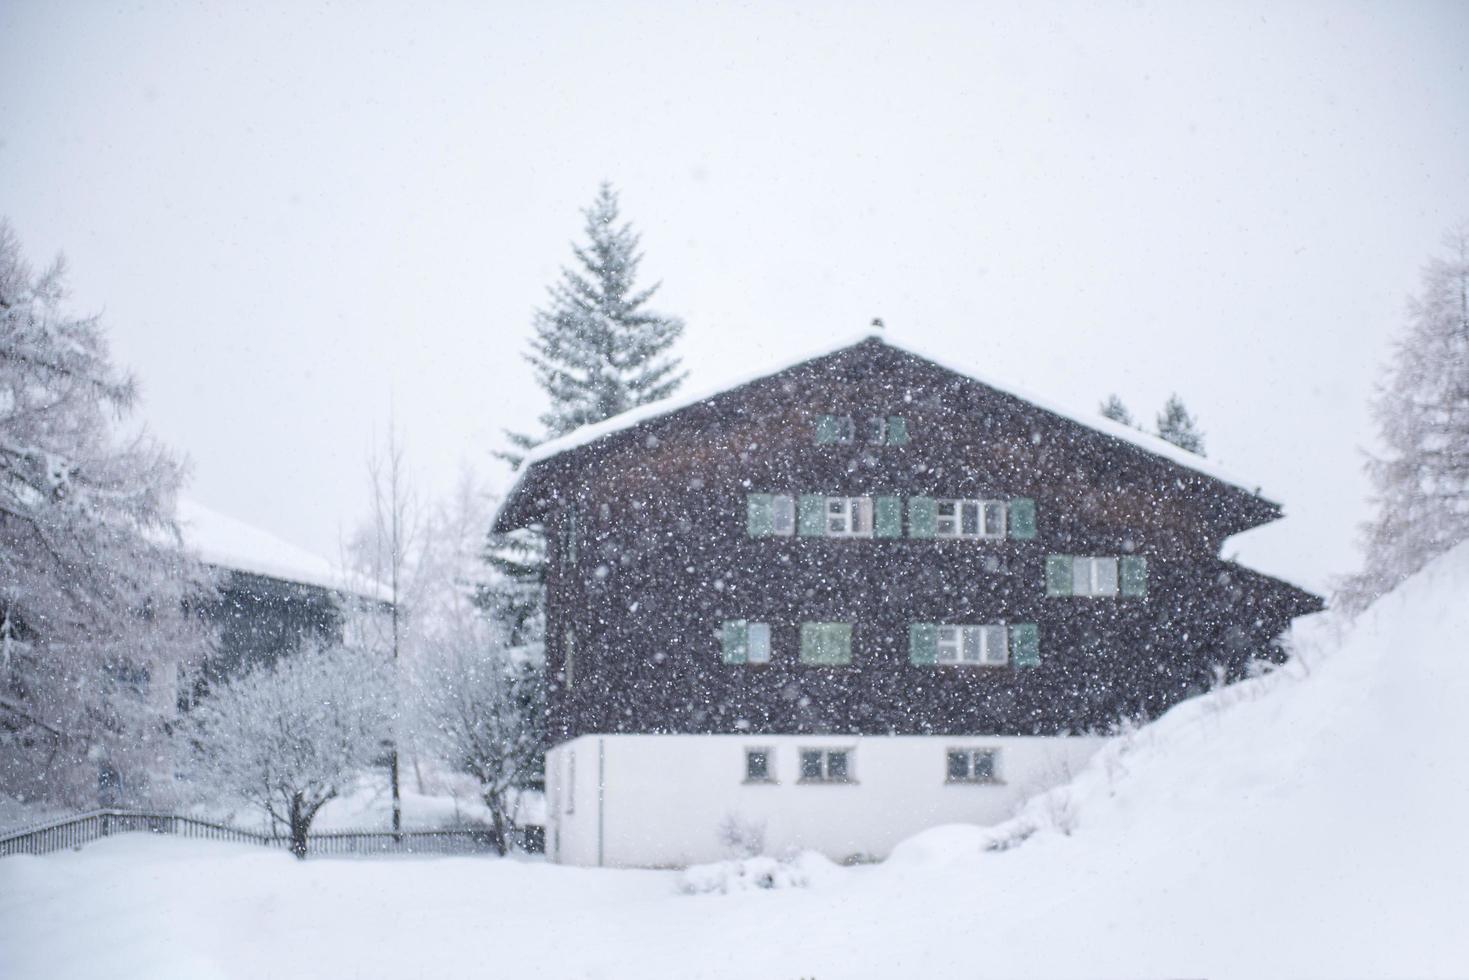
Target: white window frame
{"points": [[970, 778], [1089, 577], [991, 641], [951, 525], [769, 754], [782, 514], [825, 777], [854, 513]]}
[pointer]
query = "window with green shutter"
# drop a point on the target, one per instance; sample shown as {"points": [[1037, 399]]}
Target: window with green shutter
{"points": [[1134, 575], [1025, 645], [888, 517], [920, 517], [897, 430], [1022, 519], [826, 643], [923, 644], [1058, 575]]}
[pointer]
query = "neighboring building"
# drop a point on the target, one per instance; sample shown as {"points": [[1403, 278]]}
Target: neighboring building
{"points": [[272, 595], [862, 595]]}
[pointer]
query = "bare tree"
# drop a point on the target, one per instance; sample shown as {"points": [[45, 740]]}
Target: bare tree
{"points": [[94, 588], [1421, 481], [481, 707]]}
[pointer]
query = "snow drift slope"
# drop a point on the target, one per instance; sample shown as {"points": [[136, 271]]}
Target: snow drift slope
{"points": [[1308, 822]]}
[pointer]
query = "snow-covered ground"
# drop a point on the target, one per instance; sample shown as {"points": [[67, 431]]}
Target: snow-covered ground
{"points": [[1308, 823]]}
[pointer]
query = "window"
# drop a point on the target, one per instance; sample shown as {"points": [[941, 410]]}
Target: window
{"points": [[973, 766], [770, 514], [874, 430], [826, 643], [973, 645], [1088, 576], [969, 519], [744, 642], [1094, 576], [826, 765], [848, 517], [757, 766]]}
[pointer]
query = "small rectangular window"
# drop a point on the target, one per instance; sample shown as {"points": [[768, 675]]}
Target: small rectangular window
{"points": [[969, 519], [826, 643], [783, 514], [877, 430], [972, 766], [849, 517], [757, 766], [757, 640], [986, 645], [1094, 576], [826, 765]]}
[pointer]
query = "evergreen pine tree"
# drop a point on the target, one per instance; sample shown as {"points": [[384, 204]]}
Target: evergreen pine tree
{"points": [[1113, 409], [1177, 426], [1421, 482], [597, 352]]}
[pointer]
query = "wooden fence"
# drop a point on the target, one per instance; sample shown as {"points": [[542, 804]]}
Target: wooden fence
{"points": [[73, 832]]}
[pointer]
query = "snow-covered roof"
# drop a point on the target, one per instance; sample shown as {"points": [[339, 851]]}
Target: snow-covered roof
{"points": [[225, 542], [1091, 420]]}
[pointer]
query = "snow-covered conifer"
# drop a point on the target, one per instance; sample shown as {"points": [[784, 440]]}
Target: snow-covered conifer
{"points": [[1177, 426], [597, 351], [288, 738], [1113, 409], [94, 627], [1421, 480]]}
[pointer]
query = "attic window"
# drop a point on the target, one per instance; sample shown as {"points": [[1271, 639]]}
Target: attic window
{"points": [[875, 430]]}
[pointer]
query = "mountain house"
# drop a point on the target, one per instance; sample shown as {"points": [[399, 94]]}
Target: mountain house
{"points": [[865, 594]]}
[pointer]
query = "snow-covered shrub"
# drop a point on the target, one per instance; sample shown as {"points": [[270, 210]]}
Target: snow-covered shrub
{"points": [[290, 737], [796, 870]]}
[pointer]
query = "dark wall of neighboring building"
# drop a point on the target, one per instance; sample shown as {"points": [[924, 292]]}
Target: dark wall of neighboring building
{"points": [[261, 619], [663, 558]]}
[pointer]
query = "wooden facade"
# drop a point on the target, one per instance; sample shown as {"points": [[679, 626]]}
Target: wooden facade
{"points": [[650, 553]]}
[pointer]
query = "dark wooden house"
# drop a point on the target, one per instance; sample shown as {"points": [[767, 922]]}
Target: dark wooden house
{"points": [[866, 593]]}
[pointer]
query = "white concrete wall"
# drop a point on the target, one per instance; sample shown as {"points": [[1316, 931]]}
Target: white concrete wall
{"points": [[659, 800]]}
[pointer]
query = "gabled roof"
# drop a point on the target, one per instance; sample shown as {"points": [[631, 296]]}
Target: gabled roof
{"points": [[588, 434], [227, 543]]}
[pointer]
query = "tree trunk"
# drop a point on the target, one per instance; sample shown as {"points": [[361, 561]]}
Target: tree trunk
{"points": [[300, 823], [499, 826]]}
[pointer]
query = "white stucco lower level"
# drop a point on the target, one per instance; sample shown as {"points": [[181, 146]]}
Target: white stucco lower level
{"points": [[660, 800]]}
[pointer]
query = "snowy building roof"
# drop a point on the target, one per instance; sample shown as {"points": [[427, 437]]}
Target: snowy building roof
{"points": [[588, 434], [225, 542]]}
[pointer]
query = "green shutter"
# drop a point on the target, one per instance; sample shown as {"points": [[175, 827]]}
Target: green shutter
{"points": [[920, 517], [897, 430], [1134, 575], [1025, 645], [923, 644], [887, 519], [1022, 518], [826, 643], [736, 640], [760, 517], [1058, 575], [827, 428], [812, 515]]}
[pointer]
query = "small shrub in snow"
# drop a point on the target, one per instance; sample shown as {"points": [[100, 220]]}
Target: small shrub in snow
{"points": [[752, 874]]}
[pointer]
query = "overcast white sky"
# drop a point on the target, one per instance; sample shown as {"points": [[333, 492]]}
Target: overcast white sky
{"points": [[286, 212]]}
